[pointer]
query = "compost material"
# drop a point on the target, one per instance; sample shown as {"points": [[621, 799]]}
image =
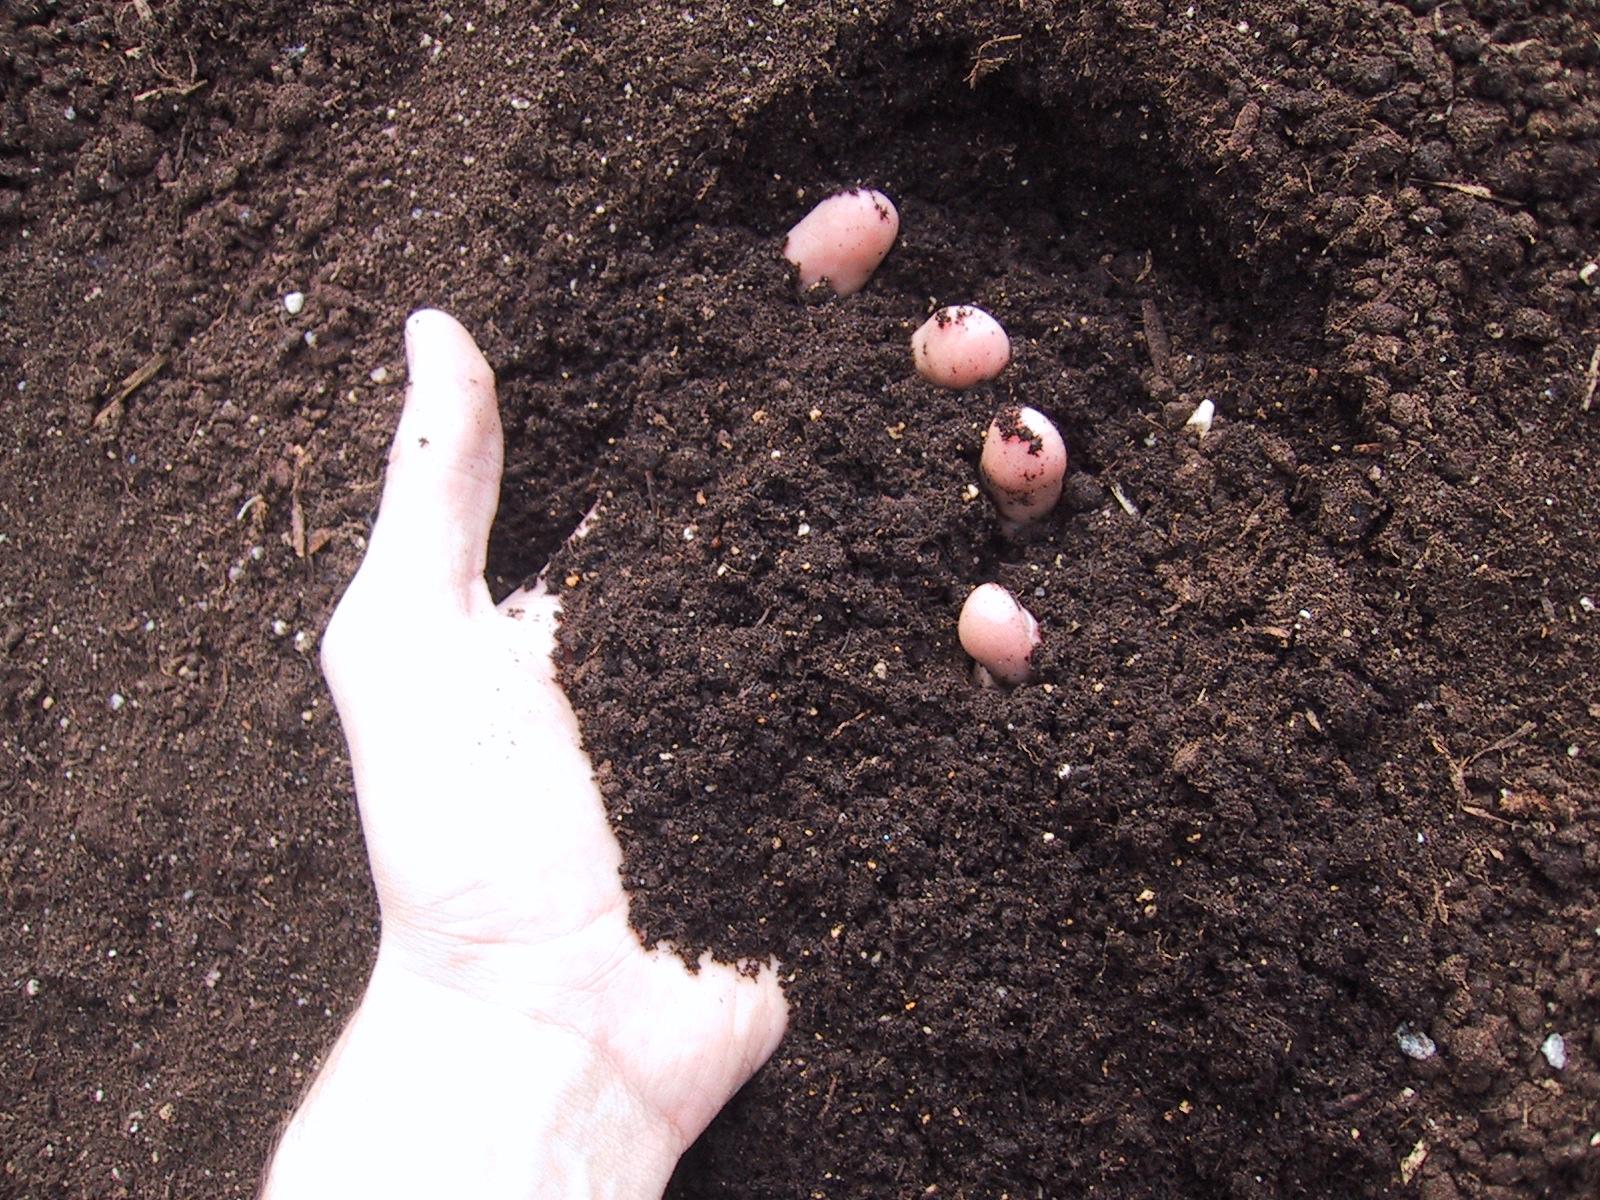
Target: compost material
{"points": [[1276, 880]]}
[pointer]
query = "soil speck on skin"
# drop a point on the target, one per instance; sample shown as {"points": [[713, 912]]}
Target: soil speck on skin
{"points": [[1322, 678]]}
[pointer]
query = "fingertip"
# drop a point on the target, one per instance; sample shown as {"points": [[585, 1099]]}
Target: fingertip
{"points": [[443, 482], [437, 345]]}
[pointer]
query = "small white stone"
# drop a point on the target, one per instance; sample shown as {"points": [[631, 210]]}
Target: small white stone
{"points": [[1415, 1044], [1554, 1050], [32, 988], [116, 701], [294, 302], [379, 374], [1200, 420]]}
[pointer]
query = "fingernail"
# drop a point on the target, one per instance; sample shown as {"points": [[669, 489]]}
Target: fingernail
{"points": [[419, 326]]}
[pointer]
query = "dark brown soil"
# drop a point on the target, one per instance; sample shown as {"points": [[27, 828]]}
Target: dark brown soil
{"points": [[1309, 763]]}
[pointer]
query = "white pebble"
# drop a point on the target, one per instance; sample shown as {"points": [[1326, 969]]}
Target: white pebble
{"points": [[1200, 420], [379, 374], [116, 701], [294, 302], [1555, 1051], [1415, 1044]]}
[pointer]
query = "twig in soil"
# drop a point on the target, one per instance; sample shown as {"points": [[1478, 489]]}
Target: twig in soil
{"points": [[174, 93], [982, 66], [1592, 379], [1458, 777], [151, 368], [1510, 739], [297, 515], [1476, 190], [1458, 770], [849, 721], [1243, 132], [833, 1085], [222, 695], [1155, 338], [1284, 637], [1127, 505]]}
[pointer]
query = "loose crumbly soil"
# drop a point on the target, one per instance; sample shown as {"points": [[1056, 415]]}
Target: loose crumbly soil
{"points": [[1308, 763]]}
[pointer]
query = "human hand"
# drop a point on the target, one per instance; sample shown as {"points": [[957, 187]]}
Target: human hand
{"points": [[516, 1038]]}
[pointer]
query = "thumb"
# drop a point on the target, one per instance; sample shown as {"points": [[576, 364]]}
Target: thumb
{"points": [[443, 484]]}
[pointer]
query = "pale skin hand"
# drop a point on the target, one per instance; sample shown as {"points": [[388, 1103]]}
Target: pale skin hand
{"points": [[515, 1039]]}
